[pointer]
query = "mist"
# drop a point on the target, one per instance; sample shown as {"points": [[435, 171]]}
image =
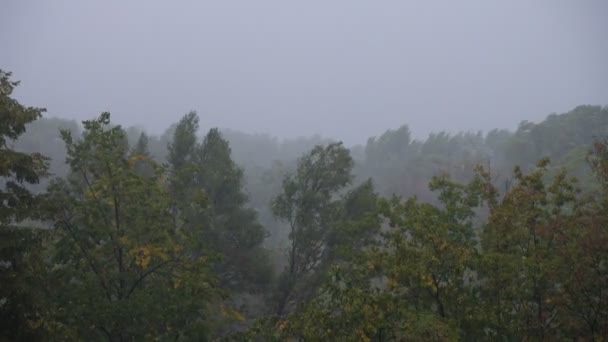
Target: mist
{"points": [[342, 69], [303, 171]]}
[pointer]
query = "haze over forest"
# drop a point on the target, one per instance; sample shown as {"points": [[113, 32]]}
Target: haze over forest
{"points": [[345, 69], [316, 171]]}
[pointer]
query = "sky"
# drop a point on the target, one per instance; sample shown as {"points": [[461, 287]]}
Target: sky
{"points": [[346, 69]]}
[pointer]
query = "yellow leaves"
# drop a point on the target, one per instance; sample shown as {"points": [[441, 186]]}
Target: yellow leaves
{"points": [[143, 255], [35, 324], [282, 325], [91, 195], [98, 190], [427, 281], [163, 180], [124, 241], [135, 159], [230, 313], [178, 248], [363, 336], [371, 266], [142, 259], [392, 283]]}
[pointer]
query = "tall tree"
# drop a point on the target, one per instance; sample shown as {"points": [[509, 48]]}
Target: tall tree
{"points": [[234, 227], [124, 268], [231, 228], [586, 280], [309, 205], [429, 255], [17, 242], [181, 148]]}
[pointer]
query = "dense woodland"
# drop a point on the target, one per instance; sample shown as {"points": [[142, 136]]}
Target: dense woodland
{"points": [[110, 233]]}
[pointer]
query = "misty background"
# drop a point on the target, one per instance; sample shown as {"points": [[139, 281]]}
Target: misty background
{"points": [[343, 69]]}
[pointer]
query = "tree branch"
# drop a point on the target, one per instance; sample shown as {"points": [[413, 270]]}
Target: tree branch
{"points": [[147, 273], [88, 259]]}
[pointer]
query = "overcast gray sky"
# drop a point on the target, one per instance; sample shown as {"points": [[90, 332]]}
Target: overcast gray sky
{"points": [[346, 69]]}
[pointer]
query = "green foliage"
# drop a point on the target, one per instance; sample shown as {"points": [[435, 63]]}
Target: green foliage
{"points": [[231, 227], [122, 268], [15, 167], [308, 204], [181, 149], [521, 242], [358, 224], [140, 157], [352, 309], [18, 243], [414, 283], [141, 146], [434, 276], [141, 251], [531, 235], [21, 296]]}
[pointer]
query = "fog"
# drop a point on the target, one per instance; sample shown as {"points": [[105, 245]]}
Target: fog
{"points": [[345, 69]]}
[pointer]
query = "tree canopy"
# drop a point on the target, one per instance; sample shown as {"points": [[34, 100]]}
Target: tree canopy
{"points": [[114, 233]]}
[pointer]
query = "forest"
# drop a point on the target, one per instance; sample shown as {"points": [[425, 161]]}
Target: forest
{"points": [[109, 233]]}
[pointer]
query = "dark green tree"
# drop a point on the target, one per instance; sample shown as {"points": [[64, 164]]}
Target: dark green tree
{"points": [[18, 243], [182, 147], [230, 228]]}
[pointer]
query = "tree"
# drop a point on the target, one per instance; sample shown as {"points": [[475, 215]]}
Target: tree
{"points": [[181, 148], [123, 267], [428, 257], [583, 299], [351, 307], [308, 204], [141, 146], [18, 243], [531, 234], [141, 158], [411, 282], [231, 227]]}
